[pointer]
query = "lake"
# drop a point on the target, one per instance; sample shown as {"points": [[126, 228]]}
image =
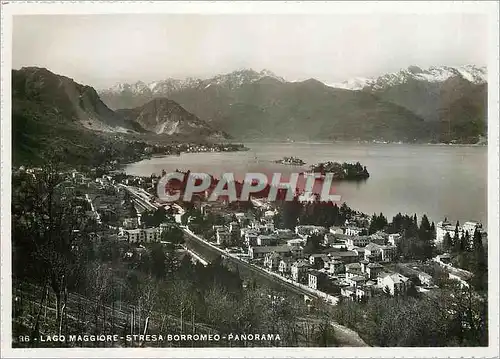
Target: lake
{"points": [[439, 180]]}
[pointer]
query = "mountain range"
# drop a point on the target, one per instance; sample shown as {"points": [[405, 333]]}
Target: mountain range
{"points": [[437, 104], [50, 110], [433, 74]]}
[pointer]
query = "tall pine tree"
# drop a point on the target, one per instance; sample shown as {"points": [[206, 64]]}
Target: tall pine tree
{"points": [[479, 262], [447, 242], [457, 243]]}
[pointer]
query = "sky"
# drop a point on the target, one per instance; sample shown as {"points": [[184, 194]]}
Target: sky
{"points": [[102, 50]]}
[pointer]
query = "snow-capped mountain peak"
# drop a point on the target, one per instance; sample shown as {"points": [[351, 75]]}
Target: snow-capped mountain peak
{"points": [[356, 83], [231, 80], [137, 87], [471, 73], [238, 78]]}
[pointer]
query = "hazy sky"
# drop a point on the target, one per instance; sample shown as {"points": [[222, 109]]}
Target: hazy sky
{"points": [[101, 50]]}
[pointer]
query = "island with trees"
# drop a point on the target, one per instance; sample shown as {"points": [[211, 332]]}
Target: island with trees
{"points": [[340, 171], [293, 161]]}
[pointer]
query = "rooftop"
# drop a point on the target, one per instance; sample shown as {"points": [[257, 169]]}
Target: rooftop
{"points": [[334, 252], [397, 278], [264, 249], [301, 263], [353, 266], [319, 255]]}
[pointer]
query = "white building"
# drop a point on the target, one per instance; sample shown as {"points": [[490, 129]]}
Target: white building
{"points": [[263, 228], [261, 251], [285, 234], [284, 266], [307, 230], [234, 227], [266, 240], [336, 230], [251, 238], [319, 259], [356, 281], [471, 227], [272, 260], [134, 235], [373, 269], [298, 269], [131, 223], [380, 237], [147, 235], [336, 266], [394, 239], [445, 227], [152, 234], [353, 231], [358, 241], [223, 236], [316, 279], [396, 283], [376, 252], [296, 242]]}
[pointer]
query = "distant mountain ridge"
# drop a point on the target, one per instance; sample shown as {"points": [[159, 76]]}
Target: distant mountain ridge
{"points": [[451, 99], [438, 104], [124, 95], [434, 74]]}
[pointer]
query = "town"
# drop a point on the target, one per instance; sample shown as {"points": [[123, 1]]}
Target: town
{"points": [[322, 252], [332, 262]]}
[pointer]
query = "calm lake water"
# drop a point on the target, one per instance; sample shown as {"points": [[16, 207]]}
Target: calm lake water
{"points": [[438, 180]]}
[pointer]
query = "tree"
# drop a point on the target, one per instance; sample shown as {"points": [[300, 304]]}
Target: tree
{"points": [[424, 224], [291, 211], [158, 259], [51, 230], [186, 267], [411, 291], [99, 277], [457, 242], [325, 335], [447, 242], [465, 241], [425, 236], [154, 218], [185, 218], [479, 263], [174, 235], [377, 223], [313, 244]]}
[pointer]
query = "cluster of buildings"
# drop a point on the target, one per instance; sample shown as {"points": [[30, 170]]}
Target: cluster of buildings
{"points": [[350, 262], [446, 227], [350, 271], [141, 235]]}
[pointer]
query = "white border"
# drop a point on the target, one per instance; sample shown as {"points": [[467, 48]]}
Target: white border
{"points": [[245, 7]]}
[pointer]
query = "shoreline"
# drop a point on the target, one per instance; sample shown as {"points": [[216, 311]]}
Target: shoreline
{"points": [[326, 142]]}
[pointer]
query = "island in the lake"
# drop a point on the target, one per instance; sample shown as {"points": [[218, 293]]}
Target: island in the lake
{"points": [[340, 171], [294, 161]]}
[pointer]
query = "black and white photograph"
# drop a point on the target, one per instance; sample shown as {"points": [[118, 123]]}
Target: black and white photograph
{"points": [[264, 180]]}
